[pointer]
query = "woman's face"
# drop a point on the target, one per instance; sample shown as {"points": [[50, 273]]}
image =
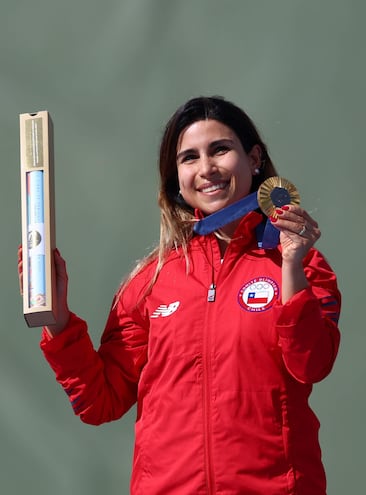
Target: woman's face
{"points": [[214, 171]]}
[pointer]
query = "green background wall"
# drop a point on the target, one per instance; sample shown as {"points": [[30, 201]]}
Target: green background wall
{"points": [[111, 73]]}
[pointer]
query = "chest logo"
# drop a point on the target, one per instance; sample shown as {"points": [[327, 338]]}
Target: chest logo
{"points": [[259, 294], [165, 310]]}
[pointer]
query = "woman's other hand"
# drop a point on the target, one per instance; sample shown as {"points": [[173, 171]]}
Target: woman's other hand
{"points": [[63, 312]]}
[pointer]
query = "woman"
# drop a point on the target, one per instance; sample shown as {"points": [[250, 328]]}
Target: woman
{"points": [[218, 340]]}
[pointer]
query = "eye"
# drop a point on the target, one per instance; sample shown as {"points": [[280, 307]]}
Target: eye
{"points": [[221, 149], [190, 157]]}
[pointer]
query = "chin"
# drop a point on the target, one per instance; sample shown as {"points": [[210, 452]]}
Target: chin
{"points": [[214, 209]]}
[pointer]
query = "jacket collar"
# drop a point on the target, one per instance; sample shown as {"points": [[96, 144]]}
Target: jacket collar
{"points": [[246, 229]]}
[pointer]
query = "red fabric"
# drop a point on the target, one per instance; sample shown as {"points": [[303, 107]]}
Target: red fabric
{"points": [[222, 387]]}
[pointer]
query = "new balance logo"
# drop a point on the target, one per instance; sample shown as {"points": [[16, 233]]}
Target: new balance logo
{"points": [[163, 310]]}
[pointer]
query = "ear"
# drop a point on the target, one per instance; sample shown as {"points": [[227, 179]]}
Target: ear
{"points": [[255, 155]]}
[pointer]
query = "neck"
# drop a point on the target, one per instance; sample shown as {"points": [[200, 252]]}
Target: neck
{"points": [[228, 230], [225, 235], [223, 243]]}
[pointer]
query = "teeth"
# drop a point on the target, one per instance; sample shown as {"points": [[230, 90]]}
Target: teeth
{"points": [[214, 187]]}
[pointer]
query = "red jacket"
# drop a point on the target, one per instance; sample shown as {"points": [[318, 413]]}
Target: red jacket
{"points": [[222, 387]]}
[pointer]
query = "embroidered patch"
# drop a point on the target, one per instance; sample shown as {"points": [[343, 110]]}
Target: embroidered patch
{"points": [[165, 310], [259, 294]]}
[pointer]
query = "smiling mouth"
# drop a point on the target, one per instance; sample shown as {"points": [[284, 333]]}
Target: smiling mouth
{"points": [[213, 187]]}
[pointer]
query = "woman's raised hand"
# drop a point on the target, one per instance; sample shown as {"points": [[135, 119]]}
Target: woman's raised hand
{"points": [[298, 232]]}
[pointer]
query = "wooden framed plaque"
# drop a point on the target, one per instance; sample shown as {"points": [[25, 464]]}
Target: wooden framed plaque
{"points": [[38, 218]]}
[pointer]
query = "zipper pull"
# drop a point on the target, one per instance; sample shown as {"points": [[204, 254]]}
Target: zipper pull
{"points": [[211, 293]]}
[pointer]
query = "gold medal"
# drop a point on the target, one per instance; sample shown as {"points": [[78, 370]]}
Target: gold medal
{"points": [[275, 192]]}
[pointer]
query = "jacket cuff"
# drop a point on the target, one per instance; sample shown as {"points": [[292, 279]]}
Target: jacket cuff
{"points": [[298, 308], [74, 330]]}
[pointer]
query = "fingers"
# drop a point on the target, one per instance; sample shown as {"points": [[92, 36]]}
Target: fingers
{"points": [[20, 276], [294, 220], [296, 214], [61, 274], [20, 252], [20, 268], [63, 313], [59, 261]]}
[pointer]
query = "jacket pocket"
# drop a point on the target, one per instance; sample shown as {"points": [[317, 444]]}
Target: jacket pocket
{"points": [[254, 443]]}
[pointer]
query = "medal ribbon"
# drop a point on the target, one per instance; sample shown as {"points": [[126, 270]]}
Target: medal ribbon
{"points": [[267, 234]]}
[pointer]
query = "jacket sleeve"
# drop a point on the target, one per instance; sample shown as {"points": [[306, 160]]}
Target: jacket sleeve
{"points": [[307, 325], [101, 385]]}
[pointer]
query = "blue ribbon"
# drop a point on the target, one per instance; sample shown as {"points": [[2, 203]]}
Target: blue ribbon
{"points": [[267, 234]]}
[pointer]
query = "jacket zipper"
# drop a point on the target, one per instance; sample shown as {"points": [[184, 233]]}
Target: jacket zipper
{"points": [[207, 386], [207, 413], [211, 293]]}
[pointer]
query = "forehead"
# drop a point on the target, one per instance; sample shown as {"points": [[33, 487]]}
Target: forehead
{"points": [[202, 132]]}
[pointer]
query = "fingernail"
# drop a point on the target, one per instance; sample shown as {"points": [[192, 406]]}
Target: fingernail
{"points": [[273, 219], [285, 207], [279, 212]]}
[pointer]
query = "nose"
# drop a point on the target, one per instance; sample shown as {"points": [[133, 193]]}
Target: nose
{"points": [[207, 166]]}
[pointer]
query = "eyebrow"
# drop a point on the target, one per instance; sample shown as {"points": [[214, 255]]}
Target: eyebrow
{"points": [[185, 152], [211, 145]]}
